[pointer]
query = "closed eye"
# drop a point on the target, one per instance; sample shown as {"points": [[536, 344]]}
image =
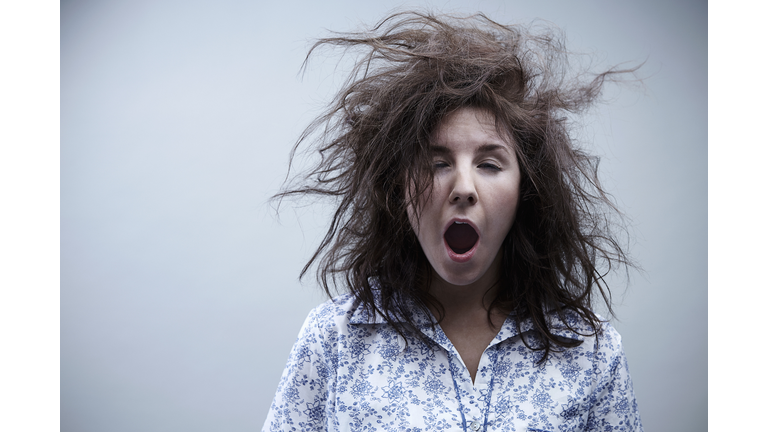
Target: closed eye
{"points": [[488, 165]]}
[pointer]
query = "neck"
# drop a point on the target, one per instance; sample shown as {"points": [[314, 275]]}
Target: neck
{"points": [[467, 302], [462, 297]]}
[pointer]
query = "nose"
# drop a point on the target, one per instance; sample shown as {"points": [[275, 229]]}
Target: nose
{"points": [[464, 191]]}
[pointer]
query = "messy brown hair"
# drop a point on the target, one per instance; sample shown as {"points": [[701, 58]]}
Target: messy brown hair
{"points": [[373, 144]]}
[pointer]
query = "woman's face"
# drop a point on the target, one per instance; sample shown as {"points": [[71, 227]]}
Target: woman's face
{"points": [[464, 218]]}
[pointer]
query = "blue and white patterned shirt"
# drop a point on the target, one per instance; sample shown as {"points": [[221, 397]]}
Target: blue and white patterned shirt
{"points": [[349, 373]]}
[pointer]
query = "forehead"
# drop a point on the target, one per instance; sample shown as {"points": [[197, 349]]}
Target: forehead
{"points": [[469, 126]]}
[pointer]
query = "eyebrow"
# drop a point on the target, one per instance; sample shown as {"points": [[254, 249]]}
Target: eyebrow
{"points": [[485, 148]]}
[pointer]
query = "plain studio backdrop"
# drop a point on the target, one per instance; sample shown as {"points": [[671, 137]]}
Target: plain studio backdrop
{"points": [[180, 297]]}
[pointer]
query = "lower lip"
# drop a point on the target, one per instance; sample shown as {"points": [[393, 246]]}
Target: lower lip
{"points": [[466, 256]]}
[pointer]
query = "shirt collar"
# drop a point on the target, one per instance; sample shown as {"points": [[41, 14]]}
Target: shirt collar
{"points": [[570, 326], [361, 315]]}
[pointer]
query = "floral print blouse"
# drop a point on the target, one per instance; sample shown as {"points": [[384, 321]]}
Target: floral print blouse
{"points": [[348, 372]]}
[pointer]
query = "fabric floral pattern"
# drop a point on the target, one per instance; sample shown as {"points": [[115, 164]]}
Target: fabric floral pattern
{"points": [[350, 372]]}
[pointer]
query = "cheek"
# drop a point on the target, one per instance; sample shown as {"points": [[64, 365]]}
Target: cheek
{"points": [[513, 199], [413, 220], [421, 214], [507, 201]]}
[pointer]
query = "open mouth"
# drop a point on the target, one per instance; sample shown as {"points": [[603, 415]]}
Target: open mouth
{"points": [[461, 237]]}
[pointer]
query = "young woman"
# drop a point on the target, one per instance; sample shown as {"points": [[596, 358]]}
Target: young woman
{"points": [[471, 237]]}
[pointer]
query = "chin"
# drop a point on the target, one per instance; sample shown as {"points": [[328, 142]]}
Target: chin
{"points": [[460, 277]]}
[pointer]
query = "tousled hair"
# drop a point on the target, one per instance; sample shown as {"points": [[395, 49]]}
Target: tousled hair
{"points": [[374, 145]]}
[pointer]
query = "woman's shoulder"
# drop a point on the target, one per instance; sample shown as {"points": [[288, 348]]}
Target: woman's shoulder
{"points": [[334, 312], [599, 336], [608, 342]]}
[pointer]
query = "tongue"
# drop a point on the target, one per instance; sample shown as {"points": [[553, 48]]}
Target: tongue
{"points": [[460, 237]]}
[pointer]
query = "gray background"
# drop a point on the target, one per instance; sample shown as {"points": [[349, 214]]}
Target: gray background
{"points": [[179, 292]]}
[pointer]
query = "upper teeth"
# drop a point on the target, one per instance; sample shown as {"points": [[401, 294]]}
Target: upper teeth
{"points": [[461, 223]]}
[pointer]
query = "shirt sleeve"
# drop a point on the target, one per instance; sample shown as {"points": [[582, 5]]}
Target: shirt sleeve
{"points": [[614, 407], [302, 396]]}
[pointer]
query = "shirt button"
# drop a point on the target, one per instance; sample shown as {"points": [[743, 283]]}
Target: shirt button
{"points": [[475, 426]]}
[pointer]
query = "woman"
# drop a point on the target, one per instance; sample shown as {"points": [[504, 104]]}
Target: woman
{"points": [[471, 237]]}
